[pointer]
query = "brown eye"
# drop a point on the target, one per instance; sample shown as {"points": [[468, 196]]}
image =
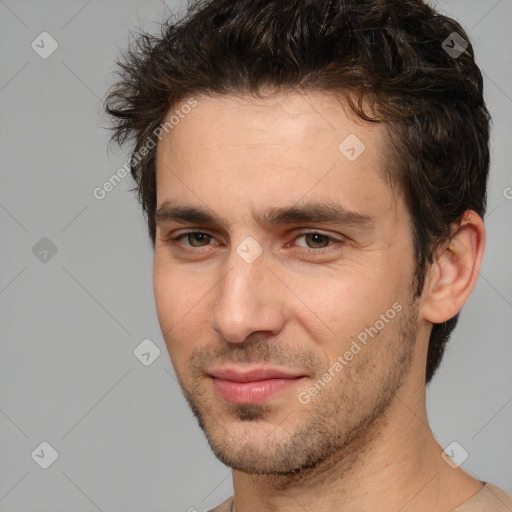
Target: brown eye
{"points": [[202, 239], [316, 240]]}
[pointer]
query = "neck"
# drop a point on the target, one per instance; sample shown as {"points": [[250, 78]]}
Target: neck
{"points": [[394, 464]]}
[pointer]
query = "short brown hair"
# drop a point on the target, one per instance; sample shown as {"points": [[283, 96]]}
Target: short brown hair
{"points": [[394, 55]]}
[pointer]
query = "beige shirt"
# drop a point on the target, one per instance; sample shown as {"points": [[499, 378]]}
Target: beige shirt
{"points": [[489, 499]]}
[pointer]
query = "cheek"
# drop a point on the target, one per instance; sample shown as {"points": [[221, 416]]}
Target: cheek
{"points": [[181, 305], [173, 290], [164, 289], [337, 307]]}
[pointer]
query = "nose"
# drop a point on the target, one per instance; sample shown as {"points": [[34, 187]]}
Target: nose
{"points": [[248, 300]]}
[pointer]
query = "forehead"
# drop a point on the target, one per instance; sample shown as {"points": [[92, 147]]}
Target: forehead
{"points": [[286, 117], [289, 144]]}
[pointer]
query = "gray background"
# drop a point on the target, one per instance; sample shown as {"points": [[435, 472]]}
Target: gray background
{"points": [[69, 325]]}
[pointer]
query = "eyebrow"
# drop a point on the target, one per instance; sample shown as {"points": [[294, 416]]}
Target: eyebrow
{"points": [[306, 213]]}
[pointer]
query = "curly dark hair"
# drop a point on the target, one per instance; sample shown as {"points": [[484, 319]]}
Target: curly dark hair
{"points": [[397, 61]]}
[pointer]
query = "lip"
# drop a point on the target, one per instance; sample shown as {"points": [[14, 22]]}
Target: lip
{"points": [[252, 375], [252, 386]]}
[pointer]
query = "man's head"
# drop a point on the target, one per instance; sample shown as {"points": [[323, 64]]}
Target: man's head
{"points": [[281, 110]]}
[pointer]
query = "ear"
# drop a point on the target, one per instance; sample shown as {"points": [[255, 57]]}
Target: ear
{"points": [[453, 274]]}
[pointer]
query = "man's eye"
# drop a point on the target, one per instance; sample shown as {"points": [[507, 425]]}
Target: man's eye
{"points": [[315, 240], [312, 240], [194, 238]]}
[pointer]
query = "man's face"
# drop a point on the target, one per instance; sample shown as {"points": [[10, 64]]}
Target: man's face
{"points": [[288, 338]]}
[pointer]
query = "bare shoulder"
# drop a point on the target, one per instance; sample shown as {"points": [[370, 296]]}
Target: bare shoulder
{"points": [[223, 507]]}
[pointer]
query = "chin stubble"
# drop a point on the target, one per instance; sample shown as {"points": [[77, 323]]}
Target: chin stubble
{"points": [[334, 428]]}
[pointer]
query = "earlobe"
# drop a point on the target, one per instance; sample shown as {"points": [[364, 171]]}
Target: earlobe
{"points": [[454, 272]]}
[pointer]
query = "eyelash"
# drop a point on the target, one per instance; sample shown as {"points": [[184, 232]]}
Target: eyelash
{"points": [[181, 247]]}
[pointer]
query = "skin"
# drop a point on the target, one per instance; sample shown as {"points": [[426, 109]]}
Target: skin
{"points": [[363, 441]]}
